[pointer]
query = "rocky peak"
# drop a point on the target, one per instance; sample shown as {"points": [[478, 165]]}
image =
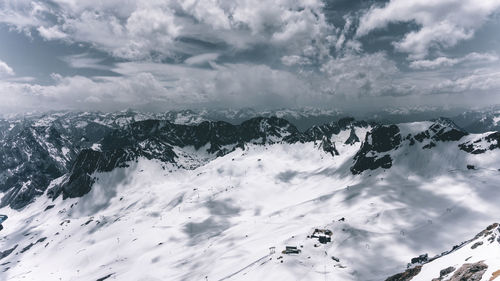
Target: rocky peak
{"points": [[317, 132], [328, 146], [353, 138], [156, 139], [374, 151], [488, 141]]}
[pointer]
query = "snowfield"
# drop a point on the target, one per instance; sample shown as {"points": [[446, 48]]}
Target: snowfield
{"points": [[219, 221]]}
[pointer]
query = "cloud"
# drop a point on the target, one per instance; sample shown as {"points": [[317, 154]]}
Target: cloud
{"points": [[447, 62], [154, 86], [201, 59], [85, 61], [294, 60], [22, 14], [77, 92], [441, 24], [480, 80], [138, 30], [361, 75], [5, 69], [51, 33], [159, 86], [231, 85], [354, 80], [252, 53]]}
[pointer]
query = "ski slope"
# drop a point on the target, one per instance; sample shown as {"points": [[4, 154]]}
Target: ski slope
{"points": [[152, 221]]}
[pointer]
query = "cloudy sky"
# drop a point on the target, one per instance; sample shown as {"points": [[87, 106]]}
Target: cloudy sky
{"points": [[171, 54]]}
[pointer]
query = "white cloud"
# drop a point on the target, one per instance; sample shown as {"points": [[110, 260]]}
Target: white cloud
{"points": [[352, 80], [294, 60], [22, 14], [79, 92], [361, 75], [143, 29], [85, 61], [5, 69], [201, 59], [480, 80], [225, 85], [51, 33], [442, 24], [155, 86], [446, 62], [212, 12], [320, 64]]}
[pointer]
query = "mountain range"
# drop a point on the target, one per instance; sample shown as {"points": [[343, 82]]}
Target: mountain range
{"points": [[184, 196]]}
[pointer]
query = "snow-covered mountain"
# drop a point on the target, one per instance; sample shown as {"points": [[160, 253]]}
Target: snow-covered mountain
{"points": [[472, 260], [40, 148], [139, 197], [479, 121]]}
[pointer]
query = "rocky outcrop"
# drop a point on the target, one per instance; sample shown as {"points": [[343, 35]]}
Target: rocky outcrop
{"points": [[442, 130], [156, 139], [407, 275], [328, 146], [353, 138], [73, 147], [444, 272], [317, 132], [374, 152], [470, 272], [40, 148], [481, 145], [489, 237], [7, 252]]}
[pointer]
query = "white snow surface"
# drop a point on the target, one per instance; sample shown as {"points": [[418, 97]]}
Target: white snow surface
{"points": [[496, 120], [218, 221], [485, 248], [413, 128]]}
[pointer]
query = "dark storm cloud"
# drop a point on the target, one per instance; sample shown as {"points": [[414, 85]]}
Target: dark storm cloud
{"points": [[155, 55]]}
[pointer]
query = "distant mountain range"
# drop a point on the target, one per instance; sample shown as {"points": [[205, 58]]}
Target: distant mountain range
{"points": [[36, 149], [220, 195]]}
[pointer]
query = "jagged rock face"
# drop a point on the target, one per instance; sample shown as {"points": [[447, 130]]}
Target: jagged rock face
{"points": [[443, 129], [481, 145], [318, 131], [375, 150], [269, 130], [373, 153], [33, 152], [80, 180], [407, 275], [470, 272], [30, 157], [38, 149], [353, 138], [156, 139], [328, 146]]}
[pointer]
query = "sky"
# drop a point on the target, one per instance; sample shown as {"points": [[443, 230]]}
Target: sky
{"points": [[160, 55]]}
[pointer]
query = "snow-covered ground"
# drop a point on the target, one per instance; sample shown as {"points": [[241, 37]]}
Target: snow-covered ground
{"points": [[483, 251], [218, 222]]}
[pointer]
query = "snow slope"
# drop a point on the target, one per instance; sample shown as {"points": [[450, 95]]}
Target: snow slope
{"points": [[152, 221], [473, 260]]}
